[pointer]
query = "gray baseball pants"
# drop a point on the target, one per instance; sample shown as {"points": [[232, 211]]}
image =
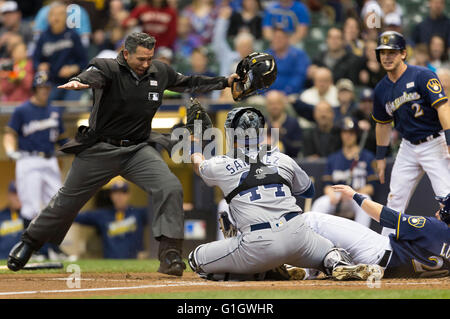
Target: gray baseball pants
{"points": [[95, 167], [293, 243]]}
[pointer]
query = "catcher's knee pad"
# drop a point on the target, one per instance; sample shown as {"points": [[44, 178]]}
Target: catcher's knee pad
{"points": [[336, 257]]}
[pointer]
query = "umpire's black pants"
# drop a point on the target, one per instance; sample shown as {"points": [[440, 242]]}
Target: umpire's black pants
{"points": [[96, 166]]}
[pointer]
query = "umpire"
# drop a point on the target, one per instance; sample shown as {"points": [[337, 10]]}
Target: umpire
{"points": [[127, 91]]}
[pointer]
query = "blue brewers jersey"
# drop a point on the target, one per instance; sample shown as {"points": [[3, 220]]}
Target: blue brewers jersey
{"points": [[421, 247], [355, 173], [38, 128], [410, 102], [11, 228], [121, 232]]}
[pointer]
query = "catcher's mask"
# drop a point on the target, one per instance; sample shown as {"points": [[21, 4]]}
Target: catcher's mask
{"points": [[257, 72], [444, 212], [244, 124]]}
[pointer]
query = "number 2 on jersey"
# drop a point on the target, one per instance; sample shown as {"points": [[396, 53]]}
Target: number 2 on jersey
{"points": [[418, 110]]}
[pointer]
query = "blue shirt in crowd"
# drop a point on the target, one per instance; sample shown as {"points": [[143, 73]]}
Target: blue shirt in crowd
{"points": [[291, 71], [287, 18], [59, 50]]}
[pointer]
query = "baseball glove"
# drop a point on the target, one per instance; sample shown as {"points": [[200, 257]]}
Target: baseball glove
{"points": [[227, 228], [196, 112]]}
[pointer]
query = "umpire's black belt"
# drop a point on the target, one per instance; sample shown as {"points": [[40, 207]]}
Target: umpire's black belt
{"points": [[287, 217], [122, 143], [426, 139]]}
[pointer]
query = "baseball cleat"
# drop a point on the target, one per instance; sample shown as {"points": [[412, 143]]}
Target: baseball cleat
{"points": [[359, 272]]}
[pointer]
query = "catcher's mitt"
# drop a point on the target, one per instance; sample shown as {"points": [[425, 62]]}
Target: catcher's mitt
{"points": [[196, 112], [227, 228]]}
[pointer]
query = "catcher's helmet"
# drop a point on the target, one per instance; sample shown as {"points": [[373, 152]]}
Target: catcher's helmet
{"points": [[390, 40], [256, 71], [245, 124], [444, 212]]}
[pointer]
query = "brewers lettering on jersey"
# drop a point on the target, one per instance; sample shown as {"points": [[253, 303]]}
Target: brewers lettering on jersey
{"points": [[412, 97]]}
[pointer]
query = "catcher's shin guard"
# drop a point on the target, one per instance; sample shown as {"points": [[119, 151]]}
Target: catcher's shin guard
{"points": [[336, 257]]}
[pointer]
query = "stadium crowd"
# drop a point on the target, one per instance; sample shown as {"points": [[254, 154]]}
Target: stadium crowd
{"points": [[324, 50]]}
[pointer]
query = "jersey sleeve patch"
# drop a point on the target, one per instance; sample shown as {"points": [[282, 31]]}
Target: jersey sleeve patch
{"points": [[434, 86], [417, 221]]}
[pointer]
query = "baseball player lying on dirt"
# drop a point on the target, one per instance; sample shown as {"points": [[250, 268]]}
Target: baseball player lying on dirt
{"points": [[420, 246], [260, 185]]}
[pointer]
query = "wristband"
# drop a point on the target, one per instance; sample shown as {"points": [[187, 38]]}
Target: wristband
{"points": [[381, 152], [447, 136], [358, 198]]}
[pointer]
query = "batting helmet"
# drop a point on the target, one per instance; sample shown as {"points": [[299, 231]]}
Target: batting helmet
{"points": [[444, 212], [390, 40]]}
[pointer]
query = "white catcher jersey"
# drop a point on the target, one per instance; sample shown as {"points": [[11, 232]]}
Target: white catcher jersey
{"points": [[259, 204]]}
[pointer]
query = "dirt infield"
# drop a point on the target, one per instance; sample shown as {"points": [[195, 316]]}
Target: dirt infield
{"points": [[54, 286]]}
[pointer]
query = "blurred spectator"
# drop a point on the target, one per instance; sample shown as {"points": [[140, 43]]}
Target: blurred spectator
{"points": [[157, 19], [185, 42], [366, 124], [341, 62], [228, 57], [350, 166], [371, 72], [289, 15], [346, 98], [166, 55], [11, 225], [289, 131], [421, 57], [11, 19], [437, 23], [391, 9], [15, 83], [98, 12], [393, 22], [202, 15], [200, 65], [292, 64], [438, 52], [60, 52], [117, 13], [78, 20], [322, 89], [121, 227], [372, 17], [247, 19], [29, 9], [352, 36], [444, 76], [322, 139]]}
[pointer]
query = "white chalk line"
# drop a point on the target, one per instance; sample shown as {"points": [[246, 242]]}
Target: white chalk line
{"points": [[206, 283]]}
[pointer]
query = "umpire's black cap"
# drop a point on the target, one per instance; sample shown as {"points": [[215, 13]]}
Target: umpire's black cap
{"points": [[390, 40]]}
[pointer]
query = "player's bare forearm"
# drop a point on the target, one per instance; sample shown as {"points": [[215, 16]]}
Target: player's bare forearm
{"points": [[9, 142], [197, 159], [444, 118], [383, 134], [373, 209]]}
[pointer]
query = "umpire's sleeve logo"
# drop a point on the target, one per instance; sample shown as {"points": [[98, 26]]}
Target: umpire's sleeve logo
{"points": [[417, 221], [434, 86]]}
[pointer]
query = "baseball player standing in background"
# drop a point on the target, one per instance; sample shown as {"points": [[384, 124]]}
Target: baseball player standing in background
{"points": [[413, 98], [127, 92], [30, 138], [259, 185]]}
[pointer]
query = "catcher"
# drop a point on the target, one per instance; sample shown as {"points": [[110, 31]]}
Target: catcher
{"points": [[260, 185]]}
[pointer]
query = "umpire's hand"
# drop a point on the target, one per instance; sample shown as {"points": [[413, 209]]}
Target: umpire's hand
{"points": [[74, 85]]}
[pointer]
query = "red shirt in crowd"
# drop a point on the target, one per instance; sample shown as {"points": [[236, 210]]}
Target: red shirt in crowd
{"points": [[160, 23]]}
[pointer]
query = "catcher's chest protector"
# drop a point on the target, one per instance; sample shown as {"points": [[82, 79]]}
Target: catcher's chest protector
{"points": [[258, 175]]}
